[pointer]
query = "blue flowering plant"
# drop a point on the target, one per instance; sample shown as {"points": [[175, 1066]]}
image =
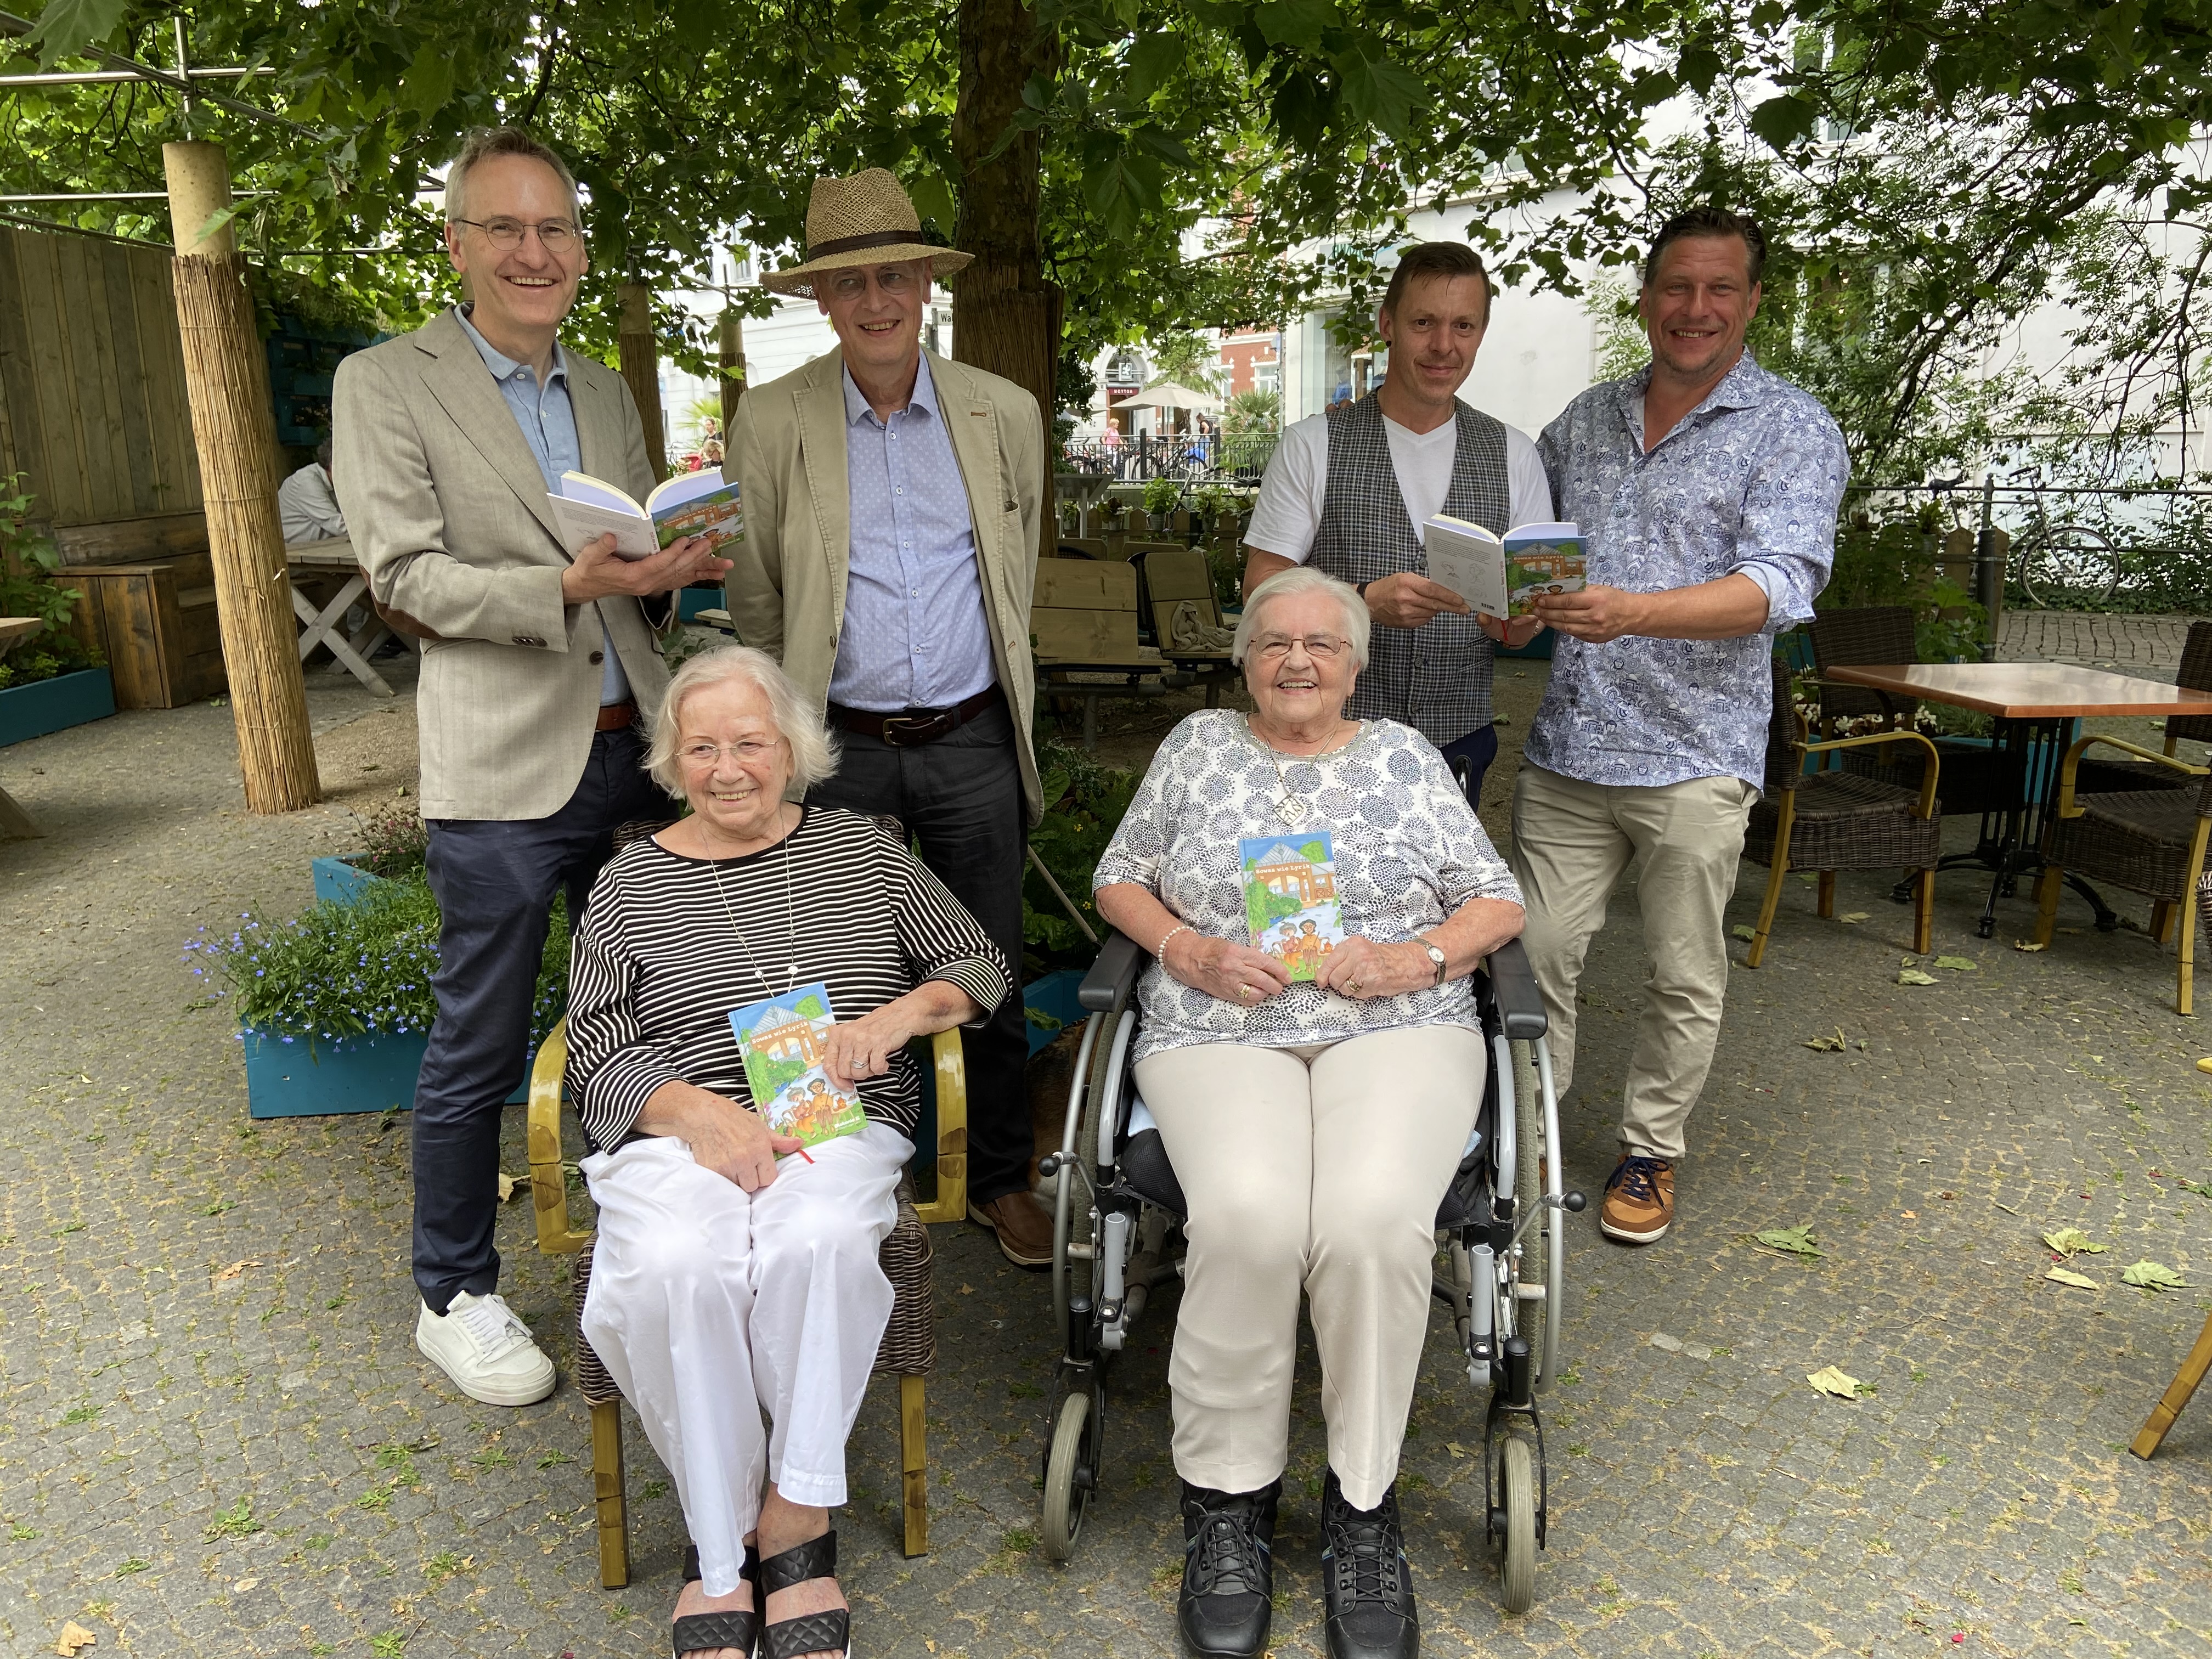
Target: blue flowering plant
{"points": [[358, 969]]}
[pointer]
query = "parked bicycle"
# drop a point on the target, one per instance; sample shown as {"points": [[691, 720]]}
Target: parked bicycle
{"points": [[2053, 563]]}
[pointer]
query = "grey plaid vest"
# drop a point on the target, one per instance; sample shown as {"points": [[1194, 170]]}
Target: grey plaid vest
{"points": [[1435, 678]]}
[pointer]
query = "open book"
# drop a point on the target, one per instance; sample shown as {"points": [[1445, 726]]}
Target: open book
{"points": [[782, 1040], [1290, 908], [688, 504], [1502, 575]]}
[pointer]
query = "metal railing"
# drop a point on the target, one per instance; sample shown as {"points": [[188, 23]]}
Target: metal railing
{"points": [[1213, 458]]}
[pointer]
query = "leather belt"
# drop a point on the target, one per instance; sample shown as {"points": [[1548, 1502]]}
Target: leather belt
{"points": [[911, 727], [618, 716]]}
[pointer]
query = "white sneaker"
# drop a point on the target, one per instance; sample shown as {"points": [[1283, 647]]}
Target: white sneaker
{"points": [[488, 1352]]}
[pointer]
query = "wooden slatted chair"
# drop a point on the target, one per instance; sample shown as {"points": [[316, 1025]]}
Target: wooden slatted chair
{"points": [[2150, 841], [1832, 821], [910, 1344]]}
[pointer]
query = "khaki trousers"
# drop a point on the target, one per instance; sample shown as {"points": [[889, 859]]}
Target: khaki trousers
{"points": [[1571, 844], [1319, 1169]]}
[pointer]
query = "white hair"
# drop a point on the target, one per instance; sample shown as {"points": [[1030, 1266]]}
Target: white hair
{"points": [[1304, 579], [813, 750]]}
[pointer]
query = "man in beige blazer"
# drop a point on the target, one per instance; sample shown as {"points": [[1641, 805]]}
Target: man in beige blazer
{"points": [[539, 661], [892, 507]]}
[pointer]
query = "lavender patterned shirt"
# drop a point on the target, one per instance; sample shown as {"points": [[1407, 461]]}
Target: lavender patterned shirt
{"points": [[1408, 852], [1747, 481]]}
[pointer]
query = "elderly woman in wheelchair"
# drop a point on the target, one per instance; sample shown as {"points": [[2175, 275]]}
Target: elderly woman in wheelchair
{"points": [[1314, 1097], [736, 1275]]}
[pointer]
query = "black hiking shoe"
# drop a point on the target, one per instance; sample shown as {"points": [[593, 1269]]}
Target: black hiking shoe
{"points": [[1228, 1571], [1367, 1589]]}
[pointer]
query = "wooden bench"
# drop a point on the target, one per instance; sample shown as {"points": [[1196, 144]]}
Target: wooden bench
{"points": [[155, 622]]}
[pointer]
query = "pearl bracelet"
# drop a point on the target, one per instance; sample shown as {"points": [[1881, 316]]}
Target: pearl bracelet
{"points": [[1160, 953]]}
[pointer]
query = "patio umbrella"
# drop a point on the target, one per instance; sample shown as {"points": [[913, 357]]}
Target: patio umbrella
{"points": [[1166, 394]]}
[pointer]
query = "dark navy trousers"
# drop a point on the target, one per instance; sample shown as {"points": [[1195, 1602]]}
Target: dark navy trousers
{"points": [[495, 880]]}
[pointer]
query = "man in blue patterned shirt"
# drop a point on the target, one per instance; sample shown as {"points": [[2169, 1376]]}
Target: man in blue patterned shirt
{"points": [[1707, 491]]}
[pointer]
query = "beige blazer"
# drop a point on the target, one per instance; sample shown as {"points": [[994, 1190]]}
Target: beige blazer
{"points": [[787, 454], [448, 513]]}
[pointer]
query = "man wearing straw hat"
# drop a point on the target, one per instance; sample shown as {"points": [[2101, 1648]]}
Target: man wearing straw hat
{"points": [[892, 509]]}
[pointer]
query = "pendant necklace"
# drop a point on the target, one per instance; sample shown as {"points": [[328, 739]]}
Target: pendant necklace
{"points": [[1290, 809], [790, 915]]}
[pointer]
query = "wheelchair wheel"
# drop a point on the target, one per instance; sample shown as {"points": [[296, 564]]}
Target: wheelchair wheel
{"points": [[1518, 1476], [1071, 1470]]}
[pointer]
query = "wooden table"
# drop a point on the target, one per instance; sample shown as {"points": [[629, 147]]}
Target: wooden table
{"points": [[2034, 705], [15, 822], [325, 627]]}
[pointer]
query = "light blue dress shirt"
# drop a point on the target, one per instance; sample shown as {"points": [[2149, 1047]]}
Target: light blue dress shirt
{"points": [[548, 421], [915, 635], [1749, 481]]}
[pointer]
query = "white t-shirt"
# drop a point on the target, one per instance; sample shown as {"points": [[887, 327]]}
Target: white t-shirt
{"points": [[1288, 512]]}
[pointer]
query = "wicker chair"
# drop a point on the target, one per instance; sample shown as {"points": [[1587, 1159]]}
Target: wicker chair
{"points": [[910, 1344], [2105, 777], [2147, 841], [1832, 821], [1977, 780]]}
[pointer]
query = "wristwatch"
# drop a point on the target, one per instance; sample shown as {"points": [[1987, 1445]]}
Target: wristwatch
{"points": [[1437, 956]]}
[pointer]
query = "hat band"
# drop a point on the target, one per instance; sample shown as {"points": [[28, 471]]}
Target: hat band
{"points": [[852, 243]]}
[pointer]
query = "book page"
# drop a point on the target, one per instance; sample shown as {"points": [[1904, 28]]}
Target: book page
{"points": [[582, 523], [783, 1041], [1542, 559], [1290, 907], [1469, 560], [583, 487]]}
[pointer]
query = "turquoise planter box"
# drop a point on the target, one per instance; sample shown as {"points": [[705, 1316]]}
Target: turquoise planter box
{"points": [[1537, 650], [55, 705], [690, 601]]}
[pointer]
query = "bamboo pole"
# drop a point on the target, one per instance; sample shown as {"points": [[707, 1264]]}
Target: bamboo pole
{"points": [[733, 365], [641, 366], [233, 428]]}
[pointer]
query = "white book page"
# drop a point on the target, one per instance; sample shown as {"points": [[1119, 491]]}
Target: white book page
{"points": [[582, 523], [1469, 560]]}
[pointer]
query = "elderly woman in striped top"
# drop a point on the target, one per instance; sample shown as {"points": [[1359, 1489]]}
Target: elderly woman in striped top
{"points": [[735, 1294]]}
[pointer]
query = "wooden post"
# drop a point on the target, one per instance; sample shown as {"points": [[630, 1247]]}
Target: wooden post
{"points": [[733, 365], [641, 366], [233, 428]]}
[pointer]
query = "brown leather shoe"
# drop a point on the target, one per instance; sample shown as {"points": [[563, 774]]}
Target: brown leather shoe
{"points": [[1023, 1227], [1639, 1201]]}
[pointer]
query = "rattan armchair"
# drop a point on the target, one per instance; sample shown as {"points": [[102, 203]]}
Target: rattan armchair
{"points": [[1978, 779], [2105, 777], [1832, 821], [910, 1344], [2148, 841]]}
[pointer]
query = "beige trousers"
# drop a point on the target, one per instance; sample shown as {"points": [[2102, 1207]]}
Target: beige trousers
{"points": [[1571, 844], [1318, 1168]]}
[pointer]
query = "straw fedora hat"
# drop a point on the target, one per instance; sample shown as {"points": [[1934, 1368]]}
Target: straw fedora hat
{"points": [[866, 220]]}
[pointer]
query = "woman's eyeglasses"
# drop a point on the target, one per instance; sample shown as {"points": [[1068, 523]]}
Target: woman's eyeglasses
{"points": [[745, 753], [556, 236], [1274, 647]]}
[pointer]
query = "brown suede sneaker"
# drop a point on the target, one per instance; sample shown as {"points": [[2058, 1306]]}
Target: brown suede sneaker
{"points": [[1639, 1201], [1023, 1225]]}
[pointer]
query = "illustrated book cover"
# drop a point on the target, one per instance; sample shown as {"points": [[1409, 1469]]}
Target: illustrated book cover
{"points": [[686, 504], [1290, 907], [783, 1040], [1502, 575]]}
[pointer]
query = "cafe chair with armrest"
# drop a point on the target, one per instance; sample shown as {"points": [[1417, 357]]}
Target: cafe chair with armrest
{"points": [[2099, 776], [1978, 779], [1832, 821], [2147, 841], [910, 1344]]}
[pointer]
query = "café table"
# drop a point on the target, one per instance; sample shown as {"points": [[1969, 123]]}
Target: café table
{"points": [[2034, 705], [326, 627]]}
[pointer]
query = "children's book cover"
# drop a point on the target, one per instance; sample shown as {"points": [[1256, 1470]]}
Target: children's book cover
{"points": [[1541, 559], [1290, 907], [783, 1040]]}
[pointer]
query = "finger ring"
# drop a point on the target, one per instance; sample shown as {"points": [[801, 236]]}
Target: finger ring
{"points": [[1352, 986], [1244, 990]]}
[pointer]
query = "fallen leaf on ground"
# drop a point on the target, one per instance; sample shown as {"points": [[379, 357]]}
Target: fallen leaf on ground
{"points": [[1956, 964], [2006, 1208], [74, 1639], [1852, 916], [2080, 1281], [1841, 1384], [1828, 1045], [2205, 1064], [510, 1185], [1790, 1241], [2070, 1241], [2153, 1276], [1914, 976], [1454, 1449], [1947, 1194], [2026, 944], [236, 1268], [1742, 932]]}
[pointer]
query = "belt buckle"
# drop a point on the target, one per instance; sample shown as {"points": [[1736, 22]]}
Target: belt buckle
{"points": [[902, 731]]}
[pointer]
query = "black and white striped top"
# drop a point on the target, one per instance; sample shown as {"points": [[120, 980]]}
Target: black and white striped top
{"points": [[658, 966]]}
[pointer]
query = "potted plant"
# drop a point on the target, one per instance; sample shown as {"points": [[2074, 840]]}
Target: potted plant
{"points": [[1161, 495], [49, 678], [395, 846]]}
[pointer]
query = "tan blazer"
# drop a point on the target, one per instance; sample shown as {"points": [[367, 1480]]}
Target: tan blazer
{"points": [[448, 511], [787, 454]]}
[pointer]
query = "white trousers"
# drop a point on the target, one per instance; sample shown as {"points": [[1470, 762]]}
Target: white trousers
{"points": [[712, 1306], [1320, 1169]]}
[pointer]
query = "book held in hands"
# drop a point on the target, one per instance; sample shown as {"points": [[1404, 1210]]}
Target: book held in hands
{"points": [[1503, 576], [688, 504], [783, 1040], [1290, 908]]}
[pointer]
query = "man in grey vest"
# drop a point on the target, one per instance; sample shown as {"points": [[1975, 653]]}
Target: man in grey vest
{"points": [[1348, 491]]}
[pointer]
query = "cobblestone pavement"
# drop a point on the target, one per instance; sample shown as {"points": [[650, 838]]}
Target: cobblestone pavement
{"points": [[2148, 646], [218, 1438]]}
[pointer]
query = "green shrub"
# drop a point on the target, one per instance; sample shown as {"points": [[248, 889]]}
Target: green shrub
{"points": [[1083, 805], [1162, 494], [28, 562]]}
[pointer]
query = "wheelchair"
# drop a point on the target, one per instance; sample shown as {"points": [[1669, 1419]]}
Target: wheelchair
{"points": [[1501, 1227]]}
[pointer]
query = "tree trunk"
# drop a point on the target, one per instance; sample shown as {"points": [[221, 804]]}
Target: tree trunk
{"points": [[641, 366], [234, 428], [1005, 317], [733, 365]]}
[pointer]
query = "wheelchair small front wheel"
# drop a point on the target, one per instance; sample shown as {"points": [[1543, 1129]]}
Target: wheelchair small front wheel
{"points": [[1070, 1476], [1518, 1475]]}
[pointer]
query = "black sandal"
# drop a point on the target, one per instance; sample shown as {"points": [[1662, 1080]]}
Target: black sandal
{"points": [[810, 1632], [704, 1633]]}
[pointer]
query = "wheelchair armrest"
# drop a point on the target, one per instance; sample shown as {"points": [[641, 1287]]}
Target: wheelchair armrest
{"points": [[1513, 982], [1113, 977]]}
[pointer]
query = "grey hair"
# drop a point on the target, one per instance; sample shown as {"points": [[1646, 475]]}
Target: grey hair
{"points": [[1304, 578], [482, 145], [813, 750]]}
